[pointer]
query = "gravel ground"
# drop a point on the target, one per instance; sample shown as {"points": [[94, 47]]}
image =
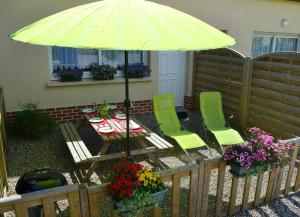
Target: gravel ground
{"points": [[24, 155]]}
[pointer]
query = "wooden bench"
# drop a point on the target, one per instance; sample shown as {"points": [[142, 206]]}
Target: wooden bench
{"points": [[78, 149]]}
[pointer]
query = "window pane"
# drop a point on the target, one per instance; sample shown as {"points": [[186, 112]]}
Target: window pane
{"points": [[86, 57], [261, 45], [135, 57], [115, 58], [64, 56], [286, 44], [112, 57]]}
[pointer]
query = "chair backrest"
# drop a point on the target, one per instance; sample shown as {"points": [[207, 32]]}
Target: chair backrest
{"points": [[165, 113], [211, 110]]}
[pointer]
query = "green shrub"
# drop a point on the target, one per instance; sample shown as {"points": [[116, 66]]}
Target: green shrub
{"points": [[31, 123]]}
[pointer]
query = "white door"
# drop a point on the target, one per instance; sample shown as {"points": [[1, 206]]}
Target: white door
{"points": [[171, 74]]}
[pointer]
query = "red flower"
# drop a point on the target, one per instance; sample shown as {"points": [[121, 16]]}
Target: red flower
{"points": [[124, 179]]}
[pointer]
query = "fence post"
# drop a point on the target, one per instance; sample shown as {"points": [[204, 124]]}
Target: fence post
{"points": [[291, 170], [220, 188], [205, 190], [84, 200], [193, 192], [246, 89], [200, 188]]}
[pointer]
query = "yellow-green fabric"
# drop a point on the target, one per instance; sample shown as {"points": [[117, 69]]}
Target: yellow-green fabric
{"points": [[227, 136], [213, 117], [165, 114], [124, 25]]}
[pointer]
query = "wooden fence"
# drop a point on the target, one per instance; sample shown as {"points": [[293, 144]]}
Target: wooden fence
{"points": [[220, 70], [274, 102], [262, 92], [3, 174], [89, 201]]}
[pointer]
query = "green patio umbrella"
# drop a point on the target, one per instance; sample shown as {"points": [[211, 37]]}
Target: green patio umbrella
{"points": [[124, 25]]}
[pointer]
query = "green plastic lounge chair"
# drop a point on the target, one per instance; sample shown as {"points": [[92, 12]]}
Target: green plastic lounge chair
{"points": [[169, 125], [214, 121]]}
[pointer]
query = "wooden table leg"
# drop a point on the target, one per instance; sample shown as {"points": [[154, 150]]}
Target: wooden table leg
{"points": [[96, 164], [151, 155]]}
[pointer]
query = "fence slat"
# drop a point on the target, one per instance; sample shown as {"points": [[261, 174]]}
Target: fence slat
{"points": [[259, 182], [74, 202], [275, 184], [21, 210], [205, 190], [278, 185], [246, 193], [220, 188], [270, 185], [48, 207], [94, 203], [200, 188], [175, 195], [193, 193], [156, 211], [84, 200], [233, 194], [246, 88], [297, 182], [291, 170]]}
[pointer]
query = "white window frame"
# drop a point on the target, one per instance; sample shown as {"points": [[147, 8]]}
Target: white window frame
{"points": [[87, 74], [274, 36], [285, 36]]}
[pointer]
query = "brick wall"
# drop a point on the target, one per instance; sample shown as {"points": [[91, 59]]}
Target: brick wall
{"points": [[188, 102], [73, 113]]}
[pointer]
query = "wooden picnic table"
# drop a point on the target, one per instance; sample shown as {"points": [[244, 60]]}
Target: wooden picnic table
{"points": [[147, 141]]}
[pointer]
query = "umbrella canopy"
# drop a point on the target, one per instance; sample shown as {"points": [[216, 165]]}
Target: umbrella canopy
{"points": [[124, 25]]}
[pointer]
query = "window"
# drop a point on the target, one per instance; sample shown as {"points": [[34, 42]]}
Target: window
{"points": [[81, 58], [264, 44]]}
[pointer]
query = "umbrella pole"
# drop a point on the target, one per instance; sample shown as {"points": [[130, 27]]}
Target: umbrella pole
{"points": [[127, 105]]}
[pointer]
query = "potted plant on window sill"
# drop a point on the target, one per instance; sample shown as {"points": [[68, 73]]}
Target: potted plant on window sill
{"points": [[136, 70], [135, 187], [257, 155], [67, 74], [102, 72]]}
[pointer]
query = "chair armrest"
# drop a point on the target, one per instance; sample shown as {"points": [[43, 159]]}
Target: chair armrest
{"points": [[228, 119]]}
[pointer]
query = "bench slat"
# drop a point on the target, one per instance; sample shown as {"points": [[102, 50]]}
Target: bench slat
{"points": [[153, 142], [81, 143], [69, 144], [158, 141], [169, 145], [75, 143]]}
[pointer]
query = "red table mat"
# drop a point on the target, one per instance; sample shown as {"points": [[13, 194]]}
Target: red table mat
{"points": [[105, 123]]}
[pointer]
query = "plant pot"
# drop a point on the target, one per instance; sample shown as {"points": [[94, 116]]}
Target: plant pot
{"points": [[158, 199], [241, 172], [67, 78]]}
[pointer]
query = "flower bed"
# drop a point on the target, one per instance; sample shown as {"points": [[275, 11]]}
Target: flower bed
{"points": [[134, 187], [260, 152]]}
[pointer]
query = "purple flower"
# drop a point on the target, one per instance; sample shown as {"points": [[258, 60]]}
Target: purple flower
{"points": [[261, 149], [260, 155]]}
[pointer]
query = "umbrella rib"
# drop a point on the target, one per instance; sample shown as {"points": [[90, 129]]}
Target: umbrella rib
{"points": [[82, 20], [103, 27], [74, 26]]}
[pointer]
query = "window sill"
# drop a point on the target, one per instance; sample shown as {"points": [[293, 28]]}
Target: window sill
{"points": [[93, 82]]}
